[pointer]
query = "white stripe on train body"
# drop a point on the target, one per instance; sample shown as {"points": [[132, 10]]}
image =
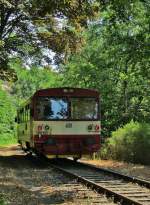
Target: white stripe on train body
{"points": [[66, 127]]}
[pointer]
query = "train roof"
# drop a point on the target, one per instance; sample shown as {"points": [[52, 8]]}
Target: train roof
{"points": [[63, 91], [66, 91]]}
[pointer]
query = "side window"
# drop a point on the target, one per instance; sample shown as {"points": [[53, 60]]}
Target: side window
{"points": [[24, 114]]}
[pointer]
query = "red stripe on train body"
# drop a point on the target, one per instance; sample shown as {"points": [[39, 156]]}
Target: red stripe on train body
{"points": [[67, 145]]}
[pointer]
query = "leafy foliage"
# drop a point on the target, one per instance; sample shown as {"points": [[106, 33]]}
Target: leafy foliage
{"points": [[28, 28], [62, 24], [115, 61], [7, 115], [130, 143], [30, 80], [17, 35], [32, 29]]}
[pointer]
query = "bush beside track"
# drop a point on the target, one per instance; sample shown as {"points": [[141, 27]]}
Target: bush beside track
{"points": [[130, 143]]}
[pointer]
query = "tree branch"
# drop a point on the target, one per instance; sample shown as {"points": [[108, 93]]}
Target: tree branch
{"points": [[12, 25], [4, 19]]}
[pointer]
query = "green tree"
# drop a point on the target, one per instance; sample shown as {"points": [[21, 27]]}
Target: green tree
{"points": [[31, 80], [7, 115], [31, 29], [17, 35], [27, 28], [115, 61]]}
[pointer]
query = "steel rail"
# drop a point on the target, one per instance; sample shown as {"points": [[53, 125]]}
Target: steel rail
{"points": [[118, 197], [136, 180], [100, 189]]}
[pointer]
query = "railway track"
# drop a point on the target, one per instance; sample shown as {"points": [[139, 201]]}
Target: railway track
{"points": [[123, 189], [72, 191]]}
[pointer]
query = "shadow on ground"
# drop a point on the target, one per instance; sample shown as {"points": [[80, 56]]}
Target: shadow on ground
{"points": [[26, 180]]}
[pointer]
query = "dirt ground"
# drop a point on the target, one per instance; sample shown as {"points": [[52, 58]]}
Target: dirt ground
{"points": [[29, 182], [26, 182]]}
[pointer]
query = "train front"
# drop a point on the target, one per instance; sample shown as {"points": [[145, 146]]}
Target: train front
{"points": [[66, 122]]}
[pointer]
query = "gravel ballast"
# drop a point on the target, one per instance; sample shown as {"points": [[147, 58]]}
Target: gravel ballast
{"points": [[27, 182]]}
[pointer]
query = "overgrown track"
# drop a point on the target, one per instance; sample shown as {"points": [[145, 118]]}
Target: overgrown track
{"points": [[122, 188]]}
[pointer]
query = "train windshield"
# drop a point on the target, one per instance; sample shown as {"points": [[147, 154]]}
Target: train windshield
{"points": [[84, 108], [49, 108]]}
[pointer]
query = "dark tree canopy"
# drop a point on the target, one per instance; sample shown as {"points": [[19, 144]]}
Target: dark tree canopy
{"points": [[29, 27], [16, 35], [49, 31], [116, 61]]}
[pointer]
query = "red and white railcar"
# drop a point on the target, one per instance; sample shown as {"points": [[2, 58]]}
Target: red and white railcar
{"points": [[61, 122]]}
